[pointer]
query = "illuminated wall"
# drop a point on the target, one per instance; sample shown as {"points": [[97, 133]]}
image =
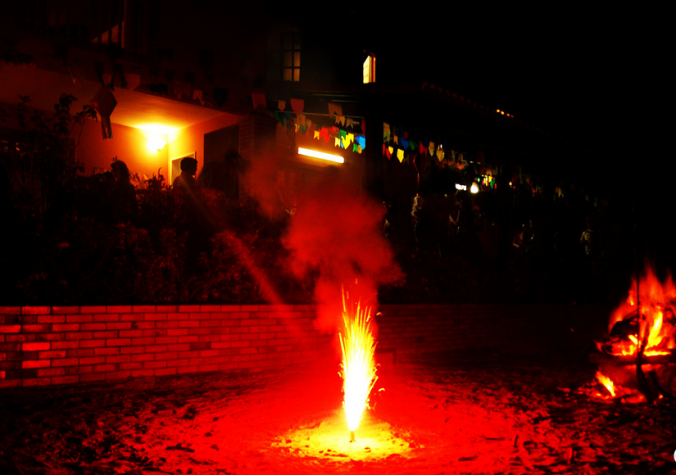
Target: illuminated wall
{"points": [[137, 148], [145, 150]]}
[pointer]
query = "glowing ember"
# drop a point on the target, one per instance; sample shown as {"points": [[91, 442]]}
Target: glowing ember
{"points": [[606, 382], [358, 367]]}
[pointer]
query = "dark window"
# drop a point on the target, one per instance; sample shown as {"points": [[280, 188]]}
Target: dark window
{"points": [[291, 57]]}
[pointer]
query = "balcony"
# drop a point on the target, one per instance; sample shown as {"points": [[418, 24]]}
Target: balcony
{"points": [[92, 24]]}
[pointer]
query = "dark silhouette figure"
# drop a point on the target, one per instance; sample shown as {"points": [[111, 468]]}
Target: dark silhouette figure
{"points": [[223, 176], [186, 180], [124, 207]]}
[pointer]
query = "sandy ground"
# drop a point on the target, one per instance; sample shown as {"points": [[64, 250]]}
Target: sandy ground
{"points": [[503, 415]]}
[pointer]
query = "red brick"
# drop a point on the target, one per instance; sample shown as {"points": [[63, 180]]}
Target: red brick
{"points": [[106, 334], [155, 364], [156, 348], [118, 375], [172, 355], [51, 318], [210, 323], [36, 382], [188, 339], [79, 352], [188, 308], [126, 366], [10, 328], [142, 341], [248, 351], [94, 309], [93, 326], [177, 331], [13, 337], [66, 379], [185, 369], [51, 372], [118, 309], [110, 317], [92, 343], [143, 309], [143, 325], [142, 372], [143, 357], [35, 364], [188, 324], [52, 354], [10, 310], [113, 350], [66, 310], [165, 371], [118, 359], [153, 317], [66, 327], [38, 346], [118, 342], [179, 347], [93, 360], [210, 308], [102, 368], [209, 353], [285, 348], [171, 316], [118, 326], [79, 318], [60, 345], [164, 340], [79, 335], [208, 368], [128, 350], [9, 383], [50, 336], [230, 308], [85, 378], [131, 317], [166, 308], [36, 310], [167, 324], [131, 333]]}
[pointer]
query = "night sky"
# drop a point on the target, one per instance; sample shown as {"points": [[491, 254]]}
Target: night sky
{"points": [[597, 78]]}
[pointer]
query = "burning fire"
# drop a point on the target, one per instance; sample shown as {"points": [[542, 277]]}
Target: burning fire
{"points": [[645, 326], [607, 382], [358, 368]]}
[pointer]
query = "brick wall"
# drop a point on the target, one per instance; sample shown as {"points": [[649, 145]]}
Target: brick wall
{"points": [[60, 345]]}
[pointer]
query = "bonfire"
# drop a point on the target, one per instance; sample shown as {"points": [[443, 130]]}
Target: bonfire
{"points": [[635, 360]]}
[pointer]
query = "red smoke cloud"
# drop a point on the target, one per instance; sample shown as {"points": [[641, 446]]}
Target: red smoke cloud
{"points": [[339, 235]]}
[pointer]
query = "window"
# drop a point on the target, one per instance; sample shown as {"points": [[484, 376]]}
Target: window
{"points": [[370, 69], [291, 57]]}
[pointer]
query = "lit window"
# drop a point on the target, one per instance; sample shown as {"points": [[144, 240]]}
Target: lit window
{"points": [[370, 69], [291, 57]]}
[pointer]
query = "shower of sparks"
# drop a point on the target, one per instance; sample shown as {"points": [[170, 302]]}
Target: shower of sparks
{"points": [[358, 345]]}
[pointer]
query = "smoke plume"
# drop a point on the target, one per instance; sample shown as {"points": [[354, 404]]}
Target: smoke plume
{"points": [[339, 236]]}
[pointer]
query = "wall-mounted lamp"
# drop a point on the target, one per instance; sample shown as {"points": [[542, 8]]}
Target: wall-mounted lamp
{"points": [[321, 155]]}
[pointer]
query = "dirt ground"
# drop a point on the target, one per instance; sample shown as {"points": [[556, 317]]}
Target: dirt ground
{"points": [[501, 415]]}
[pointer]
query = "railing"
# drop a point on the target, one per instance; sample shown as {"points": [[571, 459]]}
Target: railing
{"points": [[92, 24]]}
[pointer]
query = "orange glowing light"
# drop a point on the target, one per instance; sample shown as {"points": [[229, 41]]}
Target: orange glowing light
{"points": [[321, 155], [607, 382], [358, 368]]}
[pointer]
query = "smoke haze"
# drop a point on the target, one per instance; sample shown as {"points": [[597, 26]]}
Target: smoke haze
{"points": [[339, 235]]}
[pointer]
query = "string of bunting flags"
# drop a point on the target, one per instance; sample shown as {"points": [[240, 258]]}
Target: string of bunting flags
{"points": [[344, 132], [419, 152]]}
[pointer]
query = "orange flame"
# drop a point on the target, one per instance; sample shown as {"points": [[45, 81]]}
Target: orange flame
{"points": [[358, 367], [607, 382], [655, 299]]}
